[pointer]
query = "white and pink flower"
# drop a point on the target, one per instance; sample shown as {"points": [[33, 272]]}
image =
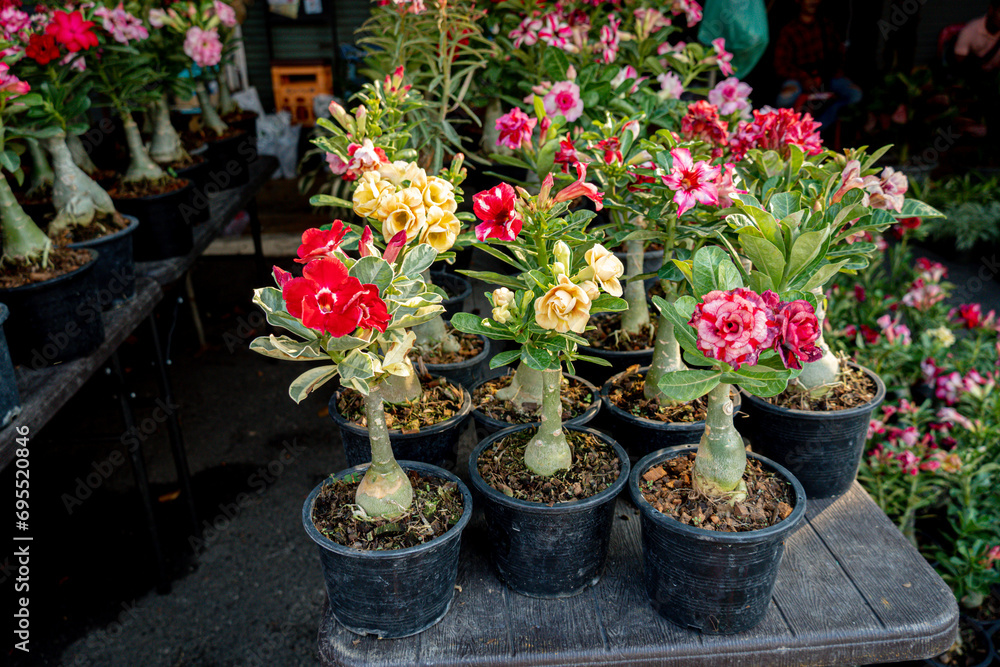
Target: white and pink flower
{"points": [[563, 99], [671, 86], [735, 326], [226, 14], [731, 96], [526, 33], [723, 58], [693, 182], [203, 46]]}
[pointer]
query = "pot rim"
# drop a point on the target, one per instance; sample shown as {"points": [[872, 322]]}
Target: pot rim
{"points": [[645, 421], [786, 525], [94, 255], [188, 183], [397, 434], [452, 533], [217, 141], [203, 164], [569, 506], [495, 373], [132, 226], [821, 414], [451, 277], [466, 363]]}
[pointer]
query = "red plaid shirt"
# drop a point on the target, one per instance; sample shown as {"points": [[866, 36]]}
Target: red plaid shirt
{"points": [[810, 53]]}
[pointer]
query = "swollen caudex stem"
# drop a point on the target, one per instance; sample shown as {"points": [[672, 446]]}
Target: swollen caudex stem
{"points": [[432, 335], [166, 146], [397, 390], [23, 241], [141, 167], [637, 315], [227, 104], [525, 389], [667, 356], [80, 156], [76, 196], [818, 377], [722, 458], [209, 116], [385, 490], [549, 451], [41, 172]]}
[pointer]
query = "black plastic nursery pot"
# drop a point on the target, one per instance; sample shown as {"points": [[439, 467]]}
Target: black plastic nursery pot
{"points": [[822, 449], [457, 286], [715, 582], [115, 269], [486, 425], [55, 320], [435, 444], [394, 593], [620, 361], [245, 121], [982, 639], [641, 436], [10, 399], [548, 551], [468, 371], [162, 232], [196, 209], [229, 159]]}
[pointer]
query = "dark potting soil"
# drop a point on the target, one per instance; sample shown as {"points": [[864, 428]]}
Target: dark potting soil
{"points": [[852, 389], [471, 345], [595, 467], [576, 398], [43, 195], [437, 506], [627, 394], [104, 224], [667, 487], [989, 610], [146, 187], [968, 649], [237, 117], [184, 163], [102, 174], [607, 334], [63, 260], [194, 139], [439, 401]]}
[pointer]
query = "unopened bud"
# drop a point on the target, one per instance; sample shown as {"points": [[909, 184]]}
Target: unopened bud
{"points": [[563, 255]]}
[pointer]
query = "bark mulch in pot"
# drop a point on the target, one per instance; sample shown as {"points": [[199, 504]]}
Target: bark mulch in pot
{"points": [[104, 224], [146, 187], [64, 260], [853, 388], [471, 345], [576, 398], [439, 401], [627, 394], [607, 334]]}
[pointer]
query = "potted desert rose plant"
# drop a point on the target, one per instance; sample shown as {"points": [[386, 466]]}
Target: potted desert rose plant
{"points": [[808, 218], [389, 529], [545, 479], [712, 508]]}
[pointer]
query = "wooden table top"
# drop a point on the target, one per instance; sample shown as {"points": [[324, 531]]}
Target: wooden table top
{"points": [[851, 590]]}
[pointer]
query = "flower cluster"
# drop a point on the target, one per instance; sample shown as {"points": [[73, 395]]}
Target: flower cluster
{"points": [[904, 439], [199, 22], [731, 96], [886, 191], [48, 36], [361, 158], [122, 26], [702, 123], [776, 130]]}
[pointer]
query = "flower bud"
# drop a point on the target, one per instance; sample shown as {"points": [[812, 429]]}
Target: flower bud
{"points": [[558, 268], [502, 297], [563, 254]]}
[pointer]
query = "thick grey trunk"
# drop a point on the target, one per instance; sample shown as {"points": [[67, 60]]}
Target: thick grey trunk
{"points": [[141, 167], [637, 315], [209, 116], [23, 241], [80, 156], [524, 390], [722, 458], [818, 377], [549, 451], [41, 172], [385, 490], [227, 104], [166, 146], [667, 355], [76, 196]]}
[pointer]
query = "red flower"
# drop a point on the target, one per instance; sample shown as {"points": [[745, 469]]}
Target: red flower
{"points": [[702, 123], [566, 155], [798, 330], [327, 299], [581, 189], [515, 129], [735, 326], [612, 149], [871, 335], [42, 49], [72, 31], [776, 130], [317, 243], [280, 275], [366, 246], [394, 245], [859, 293], [495, 207]]}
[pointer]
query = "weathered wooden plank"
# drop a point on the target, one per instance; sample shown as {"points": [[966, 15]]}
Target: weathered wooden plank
{"points": [[338, 646]]}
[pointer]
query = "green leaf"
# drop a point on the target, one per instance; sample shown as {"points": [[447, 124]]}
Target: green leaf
{"points": [[823, 275], [357, 364], [538, 358], [273, 304], [493, 278], [309, 381], [344, 343], [10, 161], [766, 257], [555, 64], [373, 270], [784, 203], [689, 385], [707, 271], [283, 347], [804, 250], [608, 304], [760, 282], [330, 200], [469, 323], [504, 358], [914, 208], [418, 259]]}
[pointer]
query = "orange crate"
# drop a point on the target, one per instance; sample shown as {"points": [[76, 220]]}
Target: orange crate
{"points": [[295, 86]]}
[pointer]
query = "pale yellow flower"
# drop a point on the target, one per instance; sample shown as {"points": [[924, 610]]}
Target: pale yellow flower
{"points": [[565, 307], [606, 267], [441, 193], [402, 211], [502, 297], [369, 192], [590, 287], [442, 229]]}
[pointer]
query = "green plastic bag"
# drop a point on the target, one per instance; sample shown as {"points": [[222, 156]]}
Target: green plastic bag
{"points": [[743, 24]]}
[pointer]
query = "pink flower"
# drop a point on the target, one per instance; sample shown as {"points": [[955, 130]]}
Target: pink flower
{"points": [[122, 26], [798, 330], [566, 155], [580, 188], [724, 185], [693, 183], [850, 178], [555, 31], [13, 21], [929, 370], [626, 73], [723, 58], [923, 296], [875, 427], [226, 14], [731, 96], [648, 21], [735, 326], [495, 207], [280, 275], [931, 272], [886, 191], [909, 462], [515, 129], [364, 157], [336, 164], [776, 129], [564, 99], [526, 33], [612, 148], [203, 46], [394, 245], [610, 38], [158, 17], [953, 416], [366, 245], [949, 387], [10, 83], [894, 331], [690, 8], [671, 87]]}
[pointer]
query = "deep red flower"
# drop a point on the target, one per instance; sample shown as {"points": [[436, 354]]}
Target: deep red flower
{"points": [[280, 275], [735, 326], [798, 329], [871, 335], [72, 31], [318, 243], [776, 130], [327, 299], [580, 188], [612, 148], [859, 293], [702, 123], [566, 155], [495, 207], [42, 49]]}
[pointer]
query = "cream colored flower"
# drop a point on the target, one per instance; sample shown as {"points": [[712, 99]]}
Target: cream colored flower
{"points": [[441, 193], [442, 229], [565, 307], [399, 171], [369, 192], [502, 314], [502, 297], [590, 287], [943, 335], [606, 267], [402, 211]]}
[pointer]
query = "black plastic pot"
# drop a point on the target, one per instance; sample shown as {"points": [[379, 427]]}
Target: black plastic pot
{"points": [[56, 320], [394, 593], [196, 209], [718, 583], [115, 270], [486, 425], [10, 399], [982, 637], [641, 436], [822, 449], [463, 258], [547, 551], [455, 285], [468, 371], [229, 158], [435, 445], [162, 232], [248, 123], [620, 361]]}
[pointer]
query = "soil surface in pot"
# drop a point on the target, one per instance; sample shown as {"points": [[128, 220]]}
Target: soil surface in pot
{"points": [[238, 116], [43, 195], [576, 398], [104, 224], [194, 139], [853, 388], [968, 650], [184, 163], [146, 187], [63, 260], [102, 174], [608, 334], [667, 487], [989, 610], [595, 467], [471, 345], [437, 506], [627, 394], [439, 401]]}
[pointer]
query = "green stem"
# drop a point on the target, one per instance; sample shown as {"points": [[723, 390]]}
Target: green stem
{"points": [[141, 167], [41, 172], [23, 241], [76, 196], [722, 458], [80, 156], [637, 315], [385, 490], [209, 116], [549, 451], [667, 356], [525, 389], [166, 146]]}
